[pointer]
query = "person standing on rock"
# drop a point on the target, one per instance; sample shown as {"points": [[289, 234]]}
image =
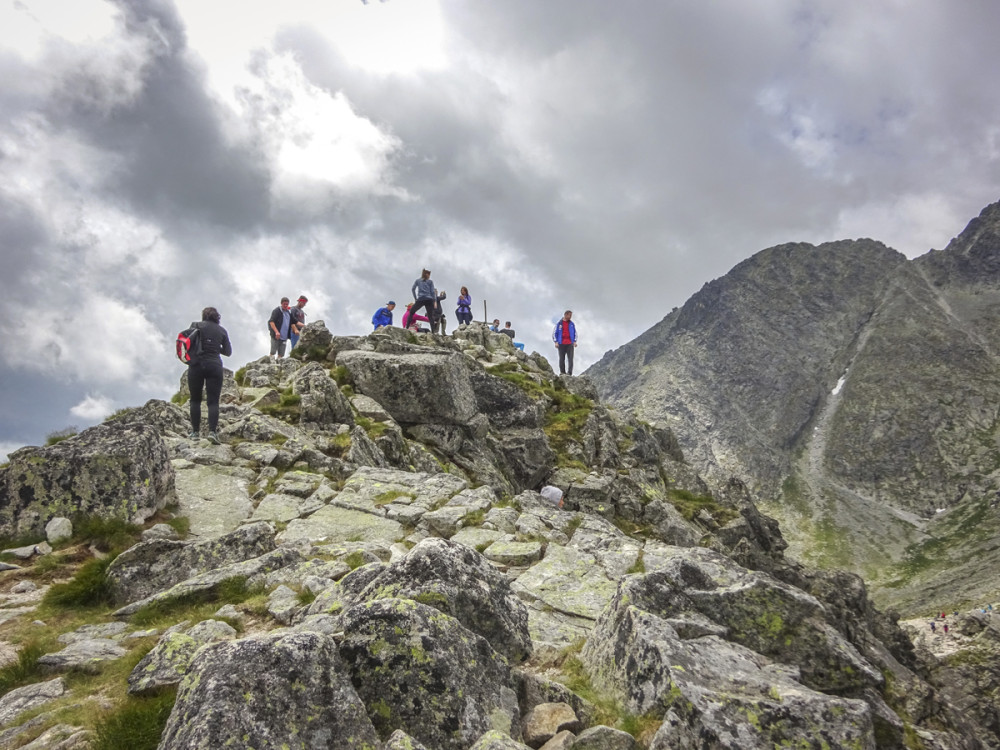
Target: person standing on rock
{"points": [[205, 373], [383, 316], [298, 319], [463, 310], [564, 337], [424, 294], [280, 328]]}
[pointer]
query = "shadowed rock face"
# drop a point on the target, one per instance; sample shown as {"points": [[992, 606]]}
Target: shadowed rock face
{"points": [[120, 471], [854, 391]]}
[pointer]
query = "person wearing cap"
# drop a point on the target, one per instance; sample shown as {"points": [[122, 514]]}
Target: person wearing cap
{"points": [[280, 328], [383, 316], [564, 337], [298, 319]]}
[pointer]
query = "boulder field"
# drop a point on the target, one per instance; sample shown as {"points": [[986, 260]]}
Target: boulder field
{"points": [[402, 583]]}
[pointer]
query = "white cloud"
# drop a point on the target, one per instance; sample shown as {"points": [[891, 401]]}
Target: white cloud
{"points": [[93, 408], [7, 447]]}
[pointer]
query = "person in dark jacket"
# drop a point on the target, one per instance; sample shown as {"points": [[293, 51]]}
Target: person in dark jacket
{"points": [[564, 337], [424, 295], [298, 319], [205, 372], [280, 326], [438, 319], [383, 316]]}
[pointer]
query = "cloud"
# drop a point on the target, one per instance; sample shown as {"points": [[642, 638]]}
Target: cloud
{"points": [[93, 408], [608, 158]]}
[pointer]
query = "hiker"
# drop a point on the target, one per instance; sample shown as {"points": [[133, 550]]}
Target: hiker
{"points": [[553, 494], [298, 319], [410, 321], [463, 311], [508, 331], [496, 325], [280, 328], [424, 294], [205, 372], [437, 315], [933, 627], [946, 628], [383, 316], [564, 337]]}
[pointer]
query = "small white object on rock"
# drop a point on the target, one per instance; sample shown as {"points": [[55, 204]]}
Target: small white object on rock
{"points": [[58, 529], [24, 587], [160, 531]]}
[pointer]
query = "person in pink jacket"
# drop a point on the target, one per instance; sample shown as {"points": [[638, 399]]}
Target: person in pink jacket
{"points": [[410, 320]]}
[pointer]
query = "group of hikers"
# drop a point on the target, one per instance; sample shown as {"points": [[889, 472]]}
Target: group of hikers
{"points": [[427, 298], [985, 609], [205, 373]]}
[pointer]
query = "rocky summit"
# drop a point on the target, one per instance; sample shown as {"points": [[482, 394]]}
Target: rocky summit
{"points": [[856, 393], [368, 561]]}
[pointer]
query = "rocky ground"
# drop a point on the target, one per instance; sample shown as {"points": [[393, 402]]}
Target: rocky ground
{"points": [[366, 562]]}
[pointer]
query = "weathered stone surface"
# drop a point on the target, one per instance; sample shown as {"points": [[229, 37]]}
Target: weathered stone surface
{"points": [[546, 720], [160, 531], [560, 741], [459, 582], [61, 737], [214, 501], [110, 630], [205, 583], [275, 690], [58, 529], [514, 553], [149, 567], [283, 508], [111, 470], [315, 336], [83, 655], [420, 670], [166, 664], [29, 697], [505, 404], [442, 380], [334, 524], [400, 740], [322, 402], [569, 581], [606, 738], [495, 739]]}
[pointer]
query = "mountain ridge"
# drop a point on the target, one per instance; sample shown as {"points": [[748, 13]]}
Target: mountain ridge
{"points": [[852, 389]]}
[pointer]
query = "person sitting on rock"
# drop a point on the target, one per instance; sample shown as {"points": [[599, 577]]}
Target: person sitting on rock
{"points": [[383, 316], [508, 331]]}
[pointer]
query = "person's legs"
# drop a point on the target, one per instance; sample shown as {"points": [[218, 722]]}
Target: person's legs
{"points": [[196, 383], [294, 339], [565, 352], [427, 304], [213, 381], [569, 356], [274, 346]]}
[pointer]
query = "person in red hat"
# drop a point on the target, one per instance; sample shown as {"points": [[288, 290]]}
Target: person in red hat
{"points": [[298, 319]]}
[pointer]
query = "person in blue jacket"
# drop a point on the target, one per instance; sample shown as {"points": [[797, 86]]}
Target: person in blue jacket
{"points": [[383, 316], [564, 337]]}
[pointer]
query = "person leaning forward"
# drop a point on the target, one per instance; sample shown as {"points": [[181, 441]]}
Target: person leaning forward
{"points": [[383, 316], [280, 328]]}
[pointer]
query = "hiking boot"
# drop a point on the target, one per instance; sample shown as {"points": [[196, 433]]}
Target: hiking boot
{"points": [[213, 438], [194, 436]]}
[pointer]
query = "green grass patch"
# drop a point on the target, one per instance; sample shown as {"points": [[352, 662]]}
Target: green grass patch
{"points": [[106, 534], [89, 588], [136, 724], [230, 591], [474, 518], [690, 505], [119, 414], [23, 671], [59, 435], [341, 375], [180, 524], [240, 376], [354, 560], [288, 409], [180, 398], [389, 495]]}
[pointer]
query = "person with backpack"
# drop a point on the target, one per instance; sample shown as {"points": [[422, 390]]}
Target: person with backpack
{"points": [[298, 319], [383, 316], [564, 337], [205, 371], [463, 310], [280, 328]]}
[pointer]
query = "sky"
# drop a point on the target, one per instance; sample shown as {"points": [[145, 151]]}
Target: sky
{"points": [[160, 156]]}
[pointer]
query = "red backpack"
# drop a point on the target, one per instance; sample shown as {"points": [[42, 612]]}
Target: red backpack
{"points": [[189, 344]]}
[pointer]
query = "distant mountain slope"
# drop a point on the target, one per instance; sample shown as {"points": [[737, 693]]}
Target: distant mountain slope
{"points": [[854, 390]]}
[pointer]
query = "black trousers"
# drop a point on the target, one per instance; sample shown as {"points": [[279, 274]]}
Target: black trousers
{"points": [[205, 376], [566, 351], [428, 304]]}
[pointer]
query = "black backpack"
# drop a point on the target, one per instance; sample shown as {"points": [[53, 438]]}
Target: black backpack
{"points": [[189, 344]]}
